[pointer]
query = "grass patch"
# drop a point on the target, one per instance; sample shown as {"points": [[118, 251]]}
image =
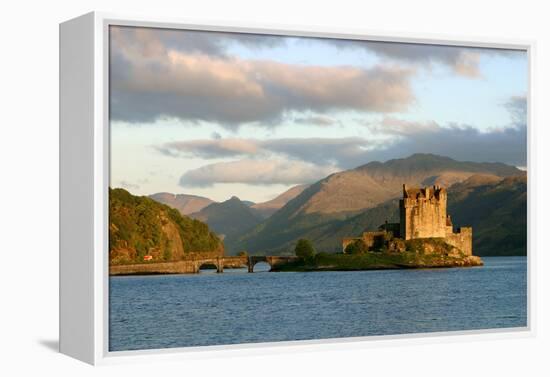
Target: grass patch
{"points": [[369, 261]]}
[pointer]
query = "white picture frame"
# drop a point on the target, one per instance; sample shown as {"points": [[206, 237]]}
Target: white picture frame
{"points": [[84, 177]]}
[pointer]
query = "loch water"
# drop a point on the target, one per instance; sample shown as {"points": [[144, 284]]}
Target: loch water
{"points": [[162, 311]]}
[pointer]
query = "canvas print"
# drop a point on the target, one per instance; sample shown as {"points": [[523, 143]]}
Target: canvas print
{"points": [[269, 188]]}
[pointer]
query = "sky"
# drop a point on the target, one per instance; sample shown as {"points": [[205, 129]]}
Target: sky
{"points": [[230, 114]]}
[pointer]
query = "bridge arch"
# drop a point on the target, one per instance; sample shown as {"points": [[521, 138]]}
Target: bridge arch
{"points": [[217, 263], [259, 264], [252, 261], [240, 261]]}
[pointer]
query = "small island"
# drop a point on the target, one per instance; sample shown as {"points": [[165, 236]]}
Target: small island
{"points": [[424, 238]]}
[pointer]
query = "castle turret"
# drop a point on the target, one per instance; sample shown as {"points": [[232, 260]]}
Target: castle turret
{"points": [[423, 212]]}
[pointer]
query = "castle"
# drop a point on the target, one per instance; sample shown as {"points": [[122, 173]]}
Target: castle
{"points": [[422, 214]]}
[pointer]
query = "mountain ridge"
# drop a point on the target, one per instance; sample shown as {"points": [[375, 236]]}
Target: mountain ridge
{"points": [[349, 193], [185, 203], [229, 218]]}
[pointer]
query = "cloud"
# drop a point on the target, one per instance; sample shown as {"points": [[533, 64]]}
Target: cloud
{"points": [[150, 80], [129, 186], [460, 142], [517, 107], [316, 120], [343, 152], [295, 161], [306, 160], [257, 172], [400, 127], [391, 138], [148, 42], [208, 149], [506, 144], [463, 61]]}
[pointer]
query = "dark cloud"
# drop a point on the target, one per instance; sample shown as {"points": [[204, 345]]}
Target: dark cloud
{"points": [[463, 61], [507, 144], [517, 107], [460, 142]]}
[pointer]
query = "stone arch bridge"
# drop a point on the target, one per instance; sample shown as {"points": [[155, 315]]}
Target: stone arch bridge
{"points": [[194, 264], [241, 261]]}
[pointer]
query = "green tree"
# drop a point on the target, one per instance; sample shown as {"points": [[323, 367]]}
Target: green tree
{"points": [[357, 247], [304, 249]]}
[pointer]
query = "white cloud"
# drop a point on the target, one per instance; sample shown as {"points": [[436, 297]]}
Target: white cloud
{"points": [[151, 80], [257, 172], [129, 186], [324, 151]]}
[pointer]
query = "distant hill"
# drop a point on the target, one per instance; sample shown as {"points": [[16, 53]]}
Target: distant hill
{"points": [[140, 226], [497, 211], [228, 219], [184, 203], [266, 209], [328, 203]]}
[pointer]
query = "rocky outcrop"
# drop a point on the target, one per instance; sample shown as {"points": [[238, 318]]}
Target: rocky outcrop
{"points": [[143, 230]]}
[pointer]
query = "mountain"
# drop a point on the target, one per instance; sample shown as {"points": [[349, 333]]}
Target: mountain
{"points": [[266, 209], [186, 204], [140, 226], [228, 219], [326, 204], [497, 211], [369, 185]]}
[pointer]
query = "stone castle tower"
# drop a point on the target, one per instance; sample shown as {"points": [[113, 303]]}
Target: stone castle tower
{"points": [[423, 213]]}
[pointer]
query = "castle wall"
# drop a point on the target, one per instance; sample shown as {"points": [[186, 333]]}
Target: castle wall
{"points": [[373, 240], [348, 240], [461, 240]]}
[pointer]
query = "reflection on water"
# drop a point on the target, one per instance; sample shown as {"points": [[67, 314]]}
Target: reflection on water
{"points": [[238, 307]]}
